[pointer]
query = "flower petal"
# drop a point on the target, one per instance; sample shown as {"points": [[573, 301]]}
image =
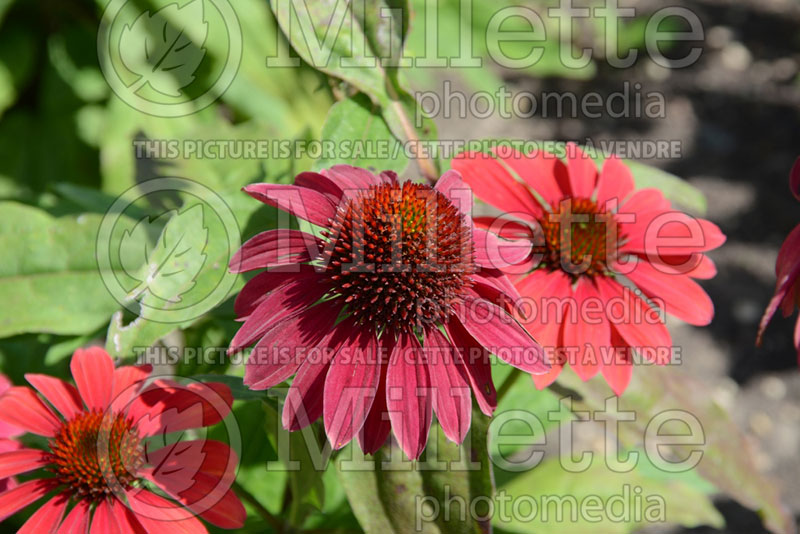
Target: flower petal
{"points": [[303, 203], [128, 381], [457, 191], [582, 172], [261, 285], [682, 296], [638, 324], [103, 520], [350, 388], [321, 183], [544, 173], [126, 520], [492, 252], [547, 293], [282, 247], [157, 514], [63, 396], [46, 519], [166, 406], [501, 334], [493, 184], [614, 183], [77, 520], [350, 177], [21, 461], [93, 371], [589, 340], [408, 398], [21, 407], [794, 179], [377, 426], [17, 498], [449, 383], [478, 365]]}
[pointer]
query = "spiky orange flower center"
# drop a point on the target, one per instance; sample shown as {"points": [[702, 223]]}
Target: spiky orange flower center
{"points": [[96, 453], [399, 255], [577, 237]]}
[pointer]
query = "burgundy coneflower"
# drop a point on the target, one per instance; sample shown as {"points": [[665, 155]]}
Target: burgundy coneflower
{"points": [[385, 317], [605, 258], [100, 459], [787, 270]]}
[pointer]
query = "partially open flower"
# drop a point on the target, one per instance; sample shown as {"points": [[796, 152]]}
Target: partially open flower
{"points": [[386, 315], [101, 456], [787, 269], [606, 259]]}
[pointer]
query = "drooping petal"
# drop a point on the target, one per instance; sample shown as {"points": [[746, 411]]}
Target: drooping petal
{"points": [[618, 371], [279, 354], [303, 203], [477, 364], [449, 383], [614, 183], [586, 332], [350, 388], [493, 252], [93, 371], [21, 407], [17, 498], [788, 274], [321, 183], [126, 520], [261, 285], [682, 296], [377, 426], [63, 396], [408, 398], [46, 519], [546, 294], [166, 406], [636, 322], [103, 520], [501, 334], [161, 516], [350, 177], [493, 184], [452, 186], [21, 461], [282, 247], [582, 172], [128, 381], [280, 304], [77, 520]]}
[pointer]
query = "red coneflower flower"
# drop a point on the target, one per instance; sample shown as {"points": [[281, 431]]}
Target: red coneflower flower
{"points": [[7, 433], [594, 238], [99, 455], [386, 315], [787, 269]]}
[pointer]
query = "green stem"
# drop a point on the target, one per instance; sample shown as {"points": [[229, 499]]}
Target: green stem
{"points": [[512, 377]]}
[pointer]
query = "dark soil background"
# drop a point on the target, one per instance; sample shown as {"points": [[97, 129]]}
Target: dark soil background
{"points": [[736, 113]]}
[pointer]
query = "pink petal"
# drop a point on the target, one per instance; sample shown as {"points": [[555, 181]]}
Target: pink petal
{"points": [[321, 183], [21, 407], [546, 293], [788, 275], [794, 179], [671, 233], [128, 381], [682, 296], [477, 364], [544, 380], [505, 228], [377, 426], [6, 430], [500, 282], [93, 371], [638, 324], [350, 177], [15, 499], [350, 388], [126, 520], [451, 399], [619, 371], [103, 521], [301, 202], [21, 461], [590, 340], [63, 396], [46, 519], [279, 354], [493, 252], [77, 520], [697, 266], [275, 248], [615, 182], [158, 515], [501, 334], [452, 186], [542, 171], [167, 406], [284, 302], [493, 184], [408, 398], [261, 285], [582, 172]]}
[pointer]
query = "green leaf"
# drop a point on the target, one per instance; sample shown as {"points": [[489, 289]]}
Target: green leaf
{"points": [[726, 461], [626, 501], [353, 122], [49, 280]]}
